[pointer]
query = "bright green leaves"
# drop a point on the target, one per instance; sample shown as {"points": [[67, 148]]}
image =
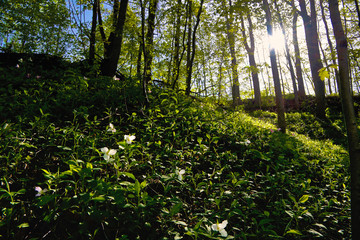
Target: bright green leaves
{"points": [[324, 72], [32, 26]]}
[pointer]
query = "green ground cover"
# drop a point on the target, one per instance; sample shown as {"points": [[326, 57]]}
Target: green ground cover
{"points": [[193, 171]]}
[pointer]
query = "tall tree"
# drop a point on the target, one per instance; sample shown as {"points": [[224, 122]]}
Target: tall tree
{"points": [[192, 44], [288, 57], [332, 50], [149, 40], [176, 65], [312, 42], [113, 46], [234, 65], [278, 95], [349, 114], [298, 69], [250, 49], [95, 5]]}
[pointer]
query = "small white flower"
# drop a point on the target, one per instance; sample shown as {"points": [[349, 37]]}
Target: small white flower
{"points": [[108, 152], [17, 66], [116, 78], [111, 128], [220, 227], [40, 191], [180, 173], [129, 138]]}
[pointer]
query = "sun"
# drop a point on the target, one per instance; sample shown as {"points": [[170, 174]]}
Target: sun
{"points": [[276, 40]]}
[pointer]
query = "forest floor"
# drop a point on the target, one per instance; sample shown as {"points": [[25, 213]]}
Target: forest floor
{"points": [[85, 158]]}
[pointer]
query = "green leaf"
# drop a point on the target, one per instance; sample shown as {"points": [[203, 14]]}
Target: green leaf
{"points": [[176, 208], [314, 232], [137, 188], [304, 198], [290, 213], [23, 225], [293, 231], [130, 175], [180, 223], [324, 73], [98, 199]]}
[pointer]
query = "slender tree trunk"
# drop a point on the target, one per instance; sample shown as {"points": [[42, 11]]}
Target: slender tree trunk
{"points": [[93, 33], [234, 65], [192, 43], [298, 68], [113, 49], [349, 114], [184, 46], [149, 47], [312, 42], [251, 54], [358, 11], [101, 27], [138, 62], [176, 67], [278, 95], [288, 58], [188, 50], [142, 49], [332, 50]]}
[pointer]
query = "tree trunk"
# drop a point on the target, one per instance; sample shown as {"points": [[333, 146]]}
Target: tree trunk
{"points": [[101, 27], [149, 47], [332, 50], [234, 65], [288, 58], [92, 33], [251, 54], [188, 50], [176, 67], [358, 11], [278, 95], [113, 48], [312, 42], [192, 42], [298, 68], [349, 114]]}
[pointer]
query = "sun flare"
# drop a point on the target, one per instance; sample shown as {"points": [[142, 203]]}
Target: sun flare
{"points": [[276, 40]]}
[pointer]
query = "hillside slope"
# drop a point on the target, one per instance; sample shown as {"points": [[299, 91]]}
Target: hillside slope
{"points": [[71, 169]]}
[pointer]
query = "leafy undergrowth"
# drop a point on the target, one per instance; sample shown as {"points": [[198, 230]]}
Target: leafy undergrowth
{"points": [[333, 128], [190, 168]]}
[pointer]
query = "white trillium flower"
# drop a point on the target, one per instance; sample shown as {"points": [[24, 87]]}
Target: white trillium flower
{"points": [[40, 191], [220, 227], [129, 138], [111, 128], [180, 173], [108, 152]]}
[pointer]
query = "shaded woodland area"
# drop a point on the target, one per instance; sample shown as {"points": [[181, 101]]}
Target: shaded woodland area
{"points": [[184, 119]]}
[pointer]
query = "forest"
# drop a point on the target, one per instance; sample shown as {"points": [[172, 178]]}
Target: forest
{"points": [[179, 119]]}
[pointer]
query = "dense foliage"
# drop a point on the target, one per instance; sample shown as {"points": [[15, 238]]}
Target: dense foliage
{"points": [[68, 171]]}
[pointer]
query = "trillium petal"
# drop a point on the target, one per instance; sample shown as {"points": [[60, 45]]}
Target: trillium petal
{"points": [[214, 227], [129, 138], [112, 152], [223, 233], [223, 224], [104, 149]]}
